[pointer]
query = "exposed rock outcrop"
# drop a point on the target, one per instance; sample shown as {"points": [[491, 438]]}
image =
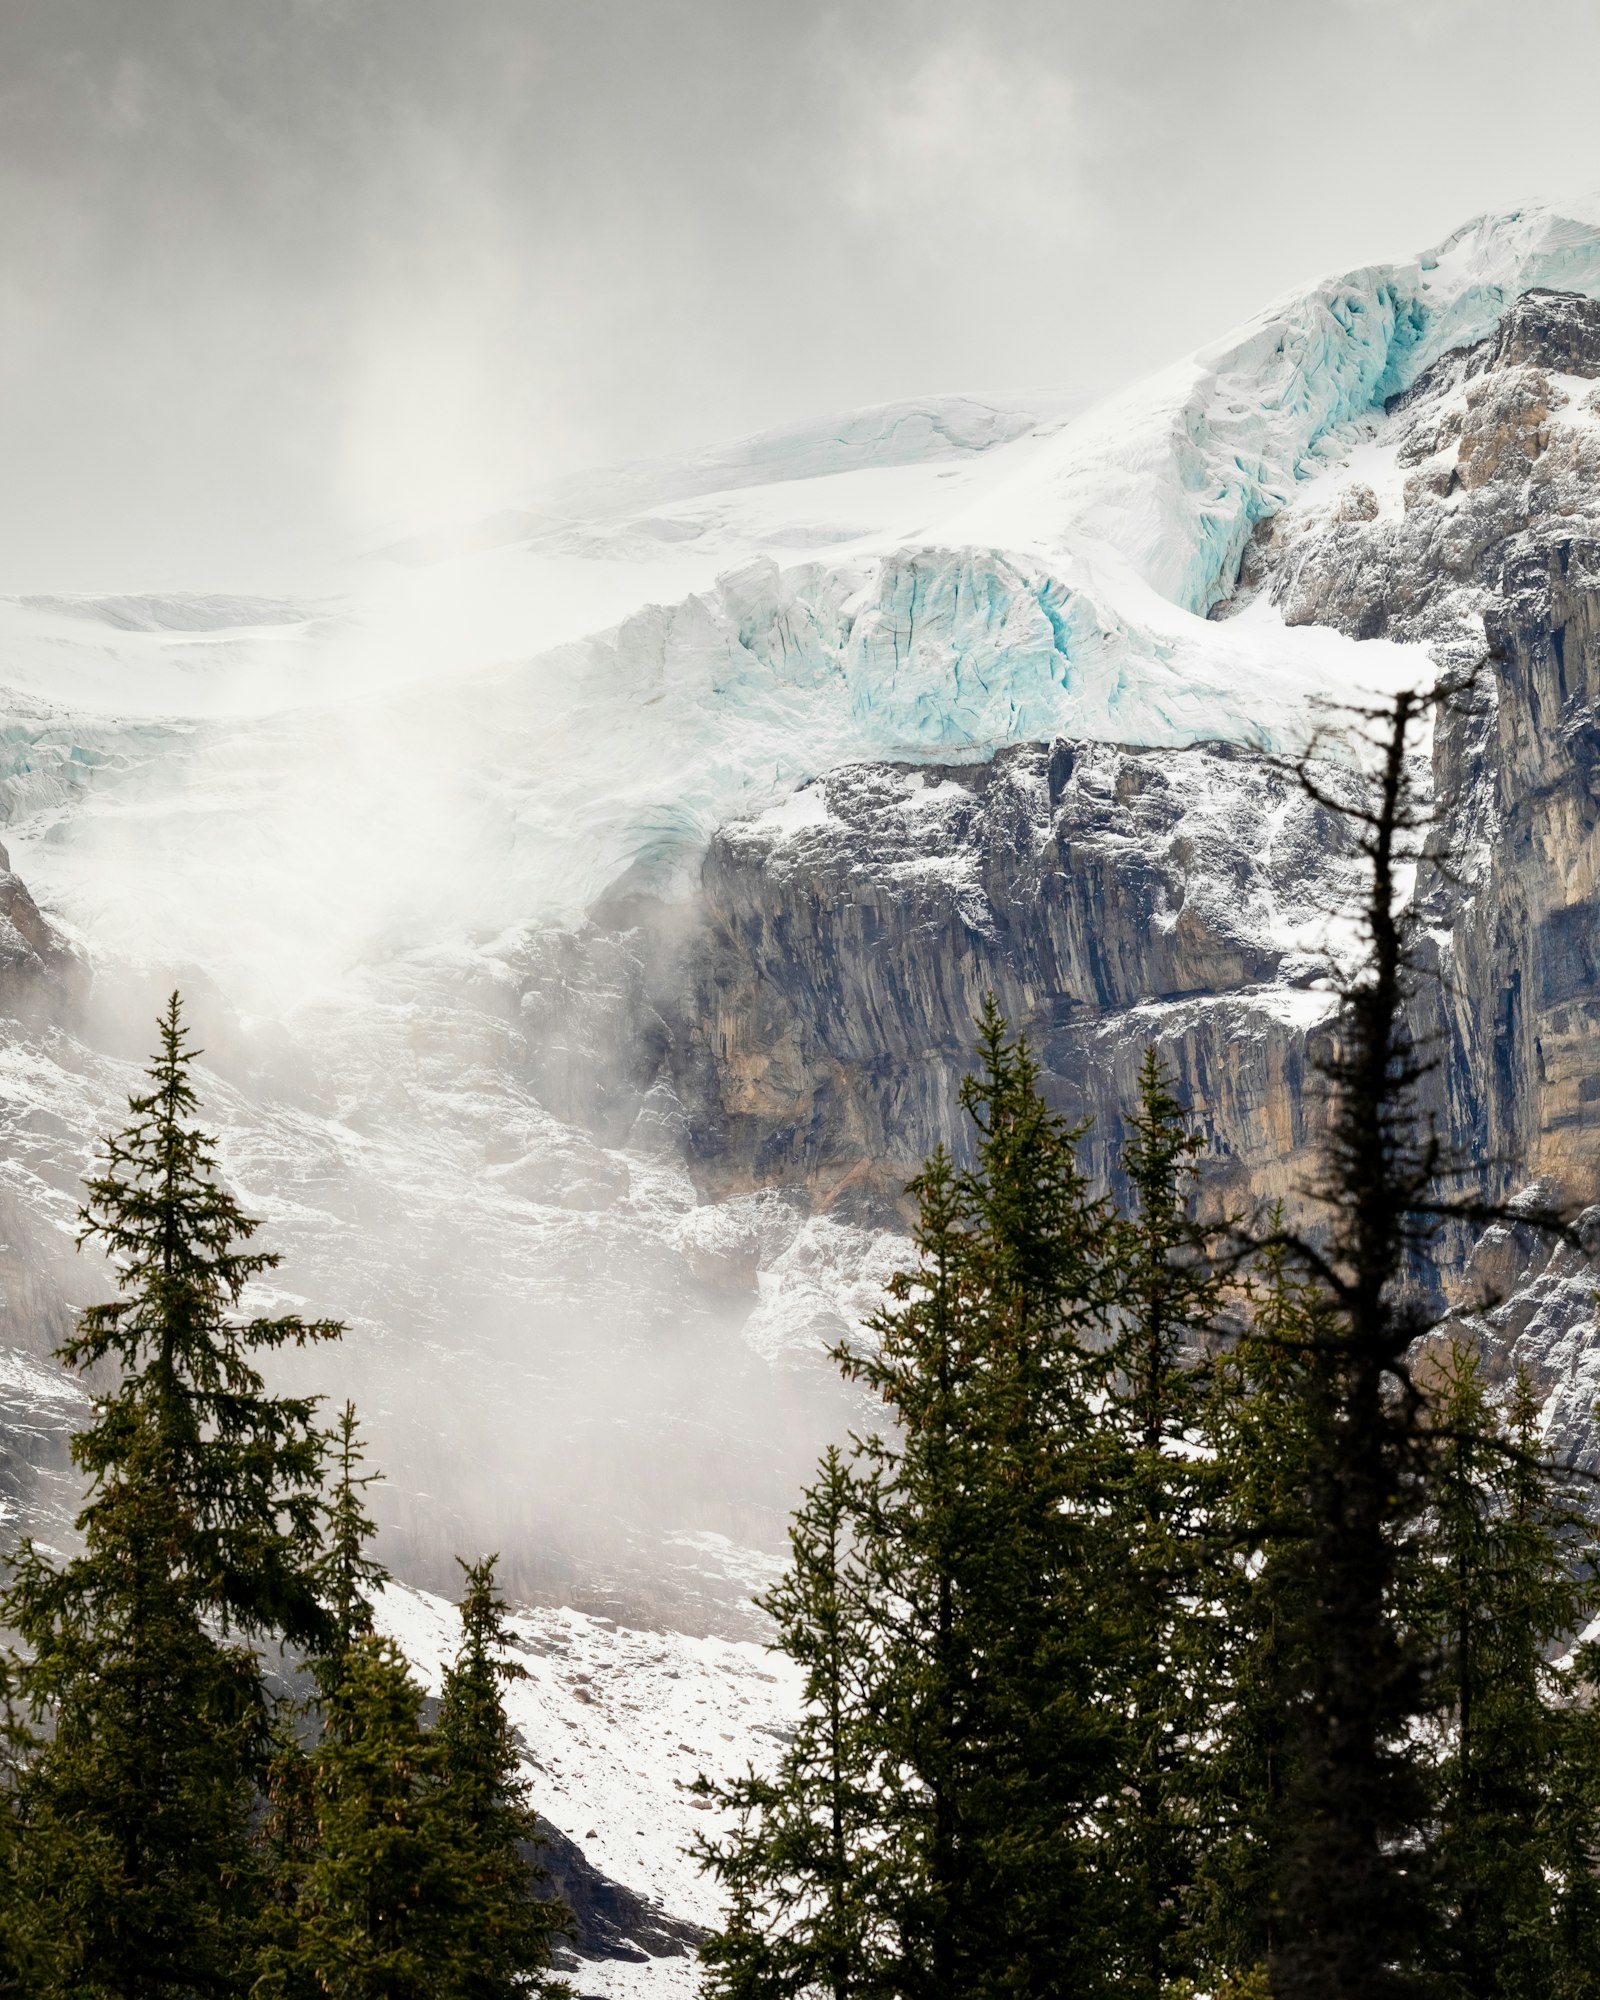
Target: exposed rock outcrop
{"points": [[1477, 528], [609, 1921], [1493, 450], [35, 961], [1113, 896], [1106, 896]]}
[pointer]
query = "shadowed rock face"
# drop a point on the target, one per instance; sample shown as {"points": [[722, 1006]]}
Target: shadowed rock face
{"points": [[40, 979], [1111, 896], [35, 964], [609, 1921], [43, 982], [1523, 926], [1105, 896], [1480, 533]]}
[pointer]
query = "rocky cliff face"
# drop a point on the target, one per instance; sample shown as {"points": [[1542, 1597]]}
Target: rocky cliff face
{"points": [[1114, 896], [1106, 896], [1472, 520], [41, 980], [514, 1099]]}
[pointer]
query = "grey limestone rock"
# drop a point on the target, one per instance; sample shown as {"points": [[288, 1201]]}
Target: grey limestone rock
{"points": [[1105, 895], [1111, 896]]}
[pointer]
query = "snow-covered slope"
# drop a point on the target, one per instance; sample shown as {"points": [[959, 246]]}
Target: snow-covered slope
{"points": [[434, 717], [616, 1725], [363, 817]]}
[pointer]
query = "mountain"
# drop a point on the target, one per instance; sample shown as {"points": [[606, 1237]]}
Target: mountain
{"points": [[583, 909]]}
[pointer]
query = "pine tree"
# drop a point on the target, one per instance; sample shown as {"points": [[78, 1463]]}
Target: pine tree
{"points": [[509, 1927], [1170, 1296], [133, 1866], [913, 1554], [803, 1867], [1352, 1896], [1507, 1574], [1572, 1828], [384, 1898], [1255, 1428], [937, 1827], [346, 1578], [244, 1466], [133, 1806], [987, 1536], [12, 1739]]}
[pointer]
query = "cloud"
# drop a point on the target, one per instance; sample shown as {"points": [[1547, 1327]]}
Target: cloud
{"points": [[271, 268], [974, 130]]}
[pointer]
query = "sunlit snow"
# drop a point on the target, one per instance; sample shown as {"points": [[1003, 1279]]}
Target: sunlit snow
{"points": [[346, 813]]}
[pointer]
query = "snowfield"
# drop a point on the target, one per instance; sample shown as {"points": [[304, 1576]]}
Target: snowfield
{"points": [[358, 813], [618, 1725]]}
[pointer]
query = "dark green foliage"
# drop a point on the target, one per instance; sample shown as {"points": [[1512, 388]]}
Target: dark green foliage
{"points": [[292, 1829], [1505, 1579], [1255, 1429], [168, 1833], [288, 1840], [346, 1575], [1350, 1892], [967, 1634], [243, 1467], [988, 1537], [400, 1861], [1080, 1712], [1571, 1833], [805, 1870], [144, 1712], [1169, 1299], [383, 1899], [509, 1927], [133, 1872]]}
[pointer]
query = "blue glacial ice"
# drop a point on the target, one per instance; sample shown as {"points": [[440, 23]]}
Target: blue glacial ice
{"points": [[504, 730]]}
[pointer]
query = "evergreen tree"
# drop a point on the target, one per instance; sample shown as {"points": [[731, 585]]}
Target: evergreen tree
{"points": [[803, 1868], [384, 1900], [986, 1548], [1352, 1898], [1169, 1299], [1255, 1428], [1506, 1576], [509, 1928], [938, 1826], [244, 1467], [133, 1865], [346, 1577], [1571, 1825], [136, 1675], [10, 1912]]}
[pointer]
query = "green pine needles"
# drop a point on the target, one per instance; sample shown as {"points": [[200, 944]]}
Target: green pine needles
{"points": [[1200, 1621], [168, 1835], [1060, 1620], [486, 1805], [940, 1823]]}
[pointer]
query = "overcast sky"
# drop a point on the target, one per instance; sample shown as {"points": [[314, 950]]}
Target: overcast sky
{"points": [[275, 271]]}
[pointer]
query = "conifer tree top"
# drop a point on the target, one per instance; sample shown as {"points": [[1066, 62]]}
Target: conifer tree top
{"points": [[243, 1465]]}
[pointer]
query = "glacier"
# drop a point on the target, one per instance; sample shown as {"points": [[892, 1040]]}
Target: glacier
{"points": [[350, 811], [361, 812], [1040, 574]]}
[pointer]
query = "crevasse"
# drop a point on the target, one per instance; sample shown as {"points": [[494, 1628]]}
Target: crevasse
{"points": [[1027, 577]]}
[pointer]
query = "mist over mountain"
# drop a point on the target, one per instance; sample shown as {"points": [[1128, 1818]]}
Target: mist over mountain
{"points": [[583, 908]]}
